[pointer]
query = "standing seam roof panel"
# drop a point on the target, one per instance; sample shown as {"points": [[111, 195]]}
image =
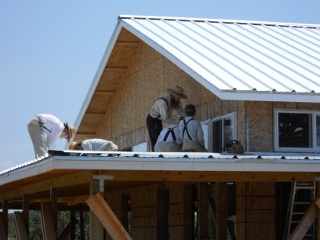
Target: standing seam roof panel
{"points": [[241, 57]]}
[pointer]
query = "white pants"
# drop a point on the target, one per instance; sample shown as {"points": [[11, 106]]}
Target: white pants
{"points": [[37, 137]]}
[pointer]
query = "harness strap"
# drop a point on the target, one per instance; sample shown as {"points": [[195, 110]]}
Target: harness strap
{"points": [[170, 130], [185, 129], [43, 126]]}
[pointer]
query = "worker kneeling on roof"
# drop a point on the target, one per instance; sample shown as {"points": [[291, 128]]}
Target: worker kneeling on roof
{"points": [[94, 145]]}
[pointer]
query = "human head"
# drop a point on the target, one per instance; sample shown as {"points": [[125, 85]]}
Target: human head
{"points": [[68, 132], [75, 146], [178, 92], [190, 110]]}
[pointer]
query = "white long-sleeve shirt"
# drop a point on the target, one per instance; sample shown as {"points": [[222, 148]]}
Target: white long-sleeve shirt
{"points": [[194, 129], [52, 127], [163, 111], [98, 145], [163, 133]]}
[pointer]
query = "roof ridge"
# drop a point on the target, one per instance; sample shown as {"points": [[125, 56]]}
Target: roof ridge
{"points": [[281, 24]]}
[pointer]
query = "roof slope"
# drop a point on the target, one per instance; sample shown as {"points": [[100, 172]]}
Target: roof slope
{"points": [[235, 60], [239, 60]]}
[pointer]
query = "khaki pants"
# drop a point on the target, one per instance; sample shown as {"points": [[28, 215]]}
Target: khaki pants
{"points": [[37, 137], [112, 147], [193, 146], [168, 147]]}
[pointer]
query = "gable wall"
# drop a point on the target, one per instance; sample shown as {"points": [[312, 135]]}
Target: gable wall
{"points": [[260, 118]]}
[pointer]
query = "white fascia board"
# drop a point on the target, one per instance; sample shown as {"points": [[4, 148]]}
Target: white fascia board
{"points": [[223, 164], [269, 96], [98, 74]]}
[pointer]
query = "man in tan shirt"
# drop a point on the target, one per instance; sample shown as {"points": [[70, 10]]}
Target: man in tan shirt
{"points": [[161, 111]]}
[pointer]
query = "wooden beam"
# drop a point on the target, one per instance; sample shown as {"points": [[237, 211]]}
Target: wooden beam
{"points": [[106, 217], [20, 226], [68, 179], [48, 227], [207, 176], [306, 221]]}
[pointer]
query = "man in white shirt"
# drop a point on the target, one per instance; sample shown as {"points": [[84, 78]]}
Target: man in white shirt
{"points": [[45, 130], [161, 111], [191, 131], [94, 145], [169, 140]]}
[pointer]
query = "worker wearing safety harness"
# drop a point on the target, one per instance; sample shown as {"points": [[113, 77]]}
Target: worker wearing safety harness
{"points": [[191, 132], [161, 111], [169, 140]]}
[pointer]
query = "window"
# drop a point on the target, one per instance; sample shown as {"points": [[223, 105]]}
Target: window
{"points": [[297, 130], [219, 131]]}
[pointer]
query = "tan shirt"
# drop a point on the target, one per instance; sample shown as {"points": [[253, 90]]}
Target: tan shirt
{"points": [[163, 111]]}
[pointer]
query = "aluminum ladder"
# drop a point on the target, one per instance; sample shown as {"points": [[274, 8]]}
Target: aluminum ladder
{"points": [[301, 196]]}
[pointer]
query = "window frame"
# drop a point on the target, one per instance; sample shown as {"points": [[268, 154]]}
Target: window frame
{"points": [[313, 131], [208, 130]]}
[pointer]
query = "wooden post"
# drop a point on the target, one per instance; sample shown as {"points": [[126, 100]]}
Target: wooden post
{"points": [[188, 212], [25, 212], [222, 210], [203, 211], [107, 218], [96, 229], [48, 227], [20, 227], [54, 205], [4, 220], [318, 212]]}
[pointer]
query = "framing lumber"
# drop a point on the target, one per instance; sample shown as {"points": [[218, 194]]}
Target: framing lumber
{"points": [[20, 226], [68, 228], [48, 227], [3, 230], [106, 217], [307, 220]]}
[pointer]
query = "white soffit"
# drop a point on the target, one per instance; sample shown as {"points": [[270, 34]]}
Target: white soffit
{"points": [[239, 60]]}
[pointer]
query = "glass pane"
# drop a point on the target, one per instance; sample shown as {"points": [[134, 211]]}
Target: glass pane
{"points": [[295, 130], [318, 130], [227, 133]]}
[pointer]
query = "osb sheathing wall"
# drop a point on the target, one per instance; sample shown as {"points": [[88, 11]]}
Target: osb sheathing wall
{"points": [[148, 76], [144, 209], [255, 209]]}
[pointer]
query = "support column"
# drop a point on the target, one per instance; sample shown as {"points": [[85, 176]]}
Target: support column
{"points": [[4, 220], [222, 210], [54, 205], [318, 212], [25, 212], [96, 229]]}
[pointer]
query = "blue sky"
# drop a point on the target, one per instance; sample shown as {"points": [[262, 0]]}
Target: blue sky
{"points": [[51, 50]]}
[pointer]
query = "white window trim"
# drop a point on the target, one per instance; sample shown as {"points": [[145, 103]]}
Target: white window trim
{"points": [[209, 140], [314, 148]]}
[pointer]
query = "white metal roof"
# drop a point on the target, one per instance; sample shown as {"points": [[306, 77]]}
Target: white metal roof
{"points": [[238, 60]]}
